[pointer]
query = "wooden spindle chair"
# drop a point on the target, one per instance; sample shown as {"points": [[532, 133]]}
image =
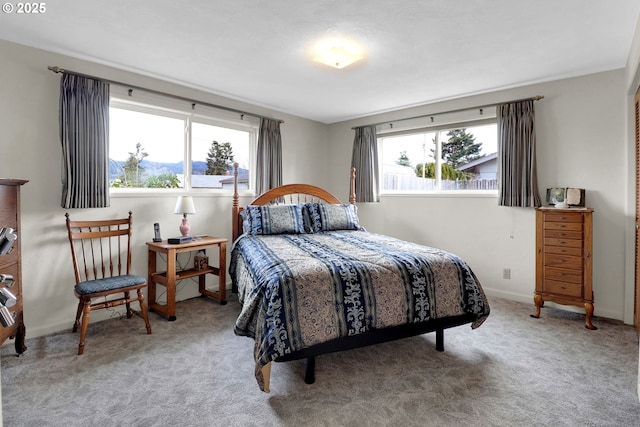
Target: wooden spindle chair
{"points": [[101, 252]]}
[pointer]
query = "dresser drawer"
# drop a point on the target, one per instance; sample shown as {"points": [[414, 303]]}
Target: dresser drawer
{"points": [[562, 275], [562, 288], [561, 234], [563, 261], [567, 226], [568, 243], [563, 250], [562, 217]]}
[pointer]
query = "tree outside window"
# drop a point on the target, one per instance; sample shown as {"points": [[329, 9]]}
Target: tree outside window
{"points": [[219, 159]]}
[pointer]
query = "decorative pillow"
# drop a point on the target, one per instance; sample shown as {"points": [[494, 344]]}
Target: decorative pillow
{"points": [[330, 217], [311, 216], [246, 223], [277, 219]]}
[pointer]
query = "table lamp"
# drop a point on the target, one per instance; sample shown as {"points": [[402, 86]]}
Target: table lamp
{"points": [[185, 206]]}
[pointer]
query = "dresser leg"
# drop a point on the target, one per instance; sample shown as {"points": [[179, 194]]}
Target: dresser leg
{"points": [[537, 300], [589, 309], [20, 337]]}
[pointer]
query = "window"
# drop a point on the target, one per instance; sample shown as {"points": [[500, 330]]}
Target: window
{"points": [[459, 156], [214, 149], [153, 146]]}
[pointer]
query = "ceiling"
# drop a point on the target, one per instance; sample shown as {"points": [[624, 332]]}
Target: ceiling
{"points": [[416, 52]]}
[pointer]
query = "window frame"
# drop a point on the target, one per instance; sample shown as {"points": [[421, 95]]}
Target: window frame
{"points": [[253, 150], [149, 103], [417, 129]]}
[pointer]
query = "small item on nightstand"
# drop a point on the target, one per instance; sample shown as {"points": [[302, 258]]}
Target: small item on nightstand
{"points": [[201, 261], [561, 204], [156, 233], [178, 240]]}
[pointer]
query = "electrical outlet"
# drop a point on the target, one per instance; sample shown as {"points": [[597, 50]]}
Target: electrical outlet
{"points": [[506, 273]]}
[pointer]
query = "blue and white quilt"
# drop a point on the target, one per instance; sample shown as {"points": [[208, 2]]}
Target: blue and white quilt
{"points": [[298, 290]]}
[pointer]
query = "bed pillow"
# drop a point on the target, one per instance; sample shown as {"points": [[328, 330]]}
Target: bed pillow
{"points": [[277, 219], [246, 224], [311, 217], [331, 217]]}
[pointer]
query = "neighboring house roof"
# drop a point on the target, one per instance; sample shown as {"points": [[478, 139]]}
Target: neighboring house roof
{"points": [[243, 177], [475, 163]]}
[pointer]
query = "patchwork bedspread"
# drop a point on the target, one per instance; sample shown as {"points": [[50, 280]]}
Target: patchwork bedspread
{"points": [[298, 290]]}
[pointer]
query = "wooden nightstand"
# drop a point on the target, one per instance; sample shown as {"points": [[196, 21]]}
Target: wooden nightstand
{"points": [[168, 278]]}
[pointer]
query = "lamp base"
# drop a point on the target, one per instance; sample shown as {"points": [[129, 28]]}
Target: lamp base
{"points": [[185, 227]]}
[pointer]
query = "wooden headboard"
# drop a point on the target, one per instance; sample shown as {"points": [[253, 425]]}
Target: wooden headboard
{"points": [[286, 194]]}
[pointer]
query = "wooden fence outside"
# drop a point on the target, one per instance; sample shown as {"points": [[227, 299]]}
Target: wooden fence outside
{"points": [[413, 183]]}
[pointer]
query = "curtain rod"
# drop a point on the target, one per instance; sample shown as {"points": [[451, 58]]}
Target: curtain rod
{"points": [[56, 69], [479, 107]]}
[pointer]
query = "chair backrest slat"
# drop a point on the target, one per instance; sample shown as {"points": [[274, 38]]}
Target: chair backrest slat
{"points": [[100, 249]]}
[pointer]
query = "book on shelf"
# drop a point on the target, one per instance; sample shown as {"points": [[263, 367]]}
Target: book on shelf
{"points": [[5, 316], [7, 239]]}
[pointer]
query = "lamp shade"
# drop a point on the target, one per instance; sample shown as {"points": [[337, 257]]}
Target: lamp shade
{"points": [[185, 205]]}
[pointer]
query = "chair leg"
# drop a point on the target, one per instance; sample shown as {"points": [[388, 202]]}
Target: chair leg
{"points": [[85, 324], [78, 314], [144, 311], [127, 296]]}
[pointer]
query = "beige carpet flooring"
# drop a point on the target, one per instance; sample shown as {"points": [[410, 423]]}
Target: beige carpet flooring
{"points": [[512, 371]]}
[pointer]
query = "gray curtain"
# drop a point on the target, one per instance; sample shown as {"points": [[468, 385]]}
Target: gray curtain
{"points": [[365, 160], [84, 134], [269, 167], [518, 178]]}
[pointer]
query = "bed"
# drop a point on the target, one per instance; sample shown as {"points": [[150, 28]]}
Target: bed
{"points": [[311, 280]]}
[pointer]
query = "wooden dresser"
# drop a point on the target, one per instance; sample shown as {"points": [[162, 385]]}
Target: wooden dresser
{"points": [[564, 239], [11, 263]]}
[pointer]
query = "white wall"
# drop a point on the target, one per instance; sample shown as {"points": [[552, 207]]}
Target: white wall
{"points": [[581, 142], [30, 149]]}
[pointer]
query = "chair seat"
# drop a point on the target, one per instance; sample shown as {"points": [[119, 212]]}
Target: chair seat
{"points": [[109, 284]]}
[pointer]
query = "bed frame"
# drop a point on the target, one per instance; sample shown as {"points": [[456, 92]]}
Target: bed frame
{"points": [[305, 193]]}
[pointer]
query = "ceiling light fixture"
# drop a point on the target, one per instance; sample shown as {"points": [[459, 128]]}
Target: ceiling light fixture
{"points": [[338, 55]]}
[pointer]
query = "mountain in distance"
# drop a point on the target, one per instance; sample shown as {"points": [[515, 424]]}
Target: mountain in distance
{"points": [[157, 168]]}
